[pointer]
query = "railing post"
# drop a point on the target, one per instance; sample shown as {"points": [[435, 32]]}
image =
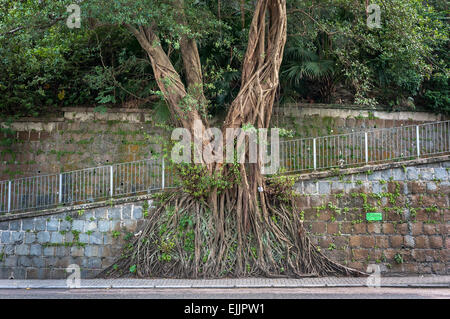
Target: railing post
{"points": [[60, 189], [418, 140], [163, 170], [314, 154], [111, 181], [9, 196], [366, 147]]}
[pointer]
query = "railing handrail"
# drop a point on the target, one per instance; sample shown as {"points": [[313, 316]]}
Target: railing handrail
{"points": [[283, 141], [363, 131], [318, 155]]}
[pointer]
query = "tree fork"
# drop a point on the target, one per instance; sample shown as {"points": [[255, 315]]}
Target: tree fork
{"points": [[243, 230]]}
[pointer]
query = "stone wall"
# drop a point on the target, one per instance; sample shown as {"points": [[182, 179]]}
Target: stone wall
{"points": [[412, 237], [41, 247], [81, 138], [322, 120]]}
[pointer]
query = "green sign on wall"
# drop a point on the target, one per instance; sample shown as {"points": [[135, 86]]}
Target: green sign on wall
{"points": [[374, 216]]}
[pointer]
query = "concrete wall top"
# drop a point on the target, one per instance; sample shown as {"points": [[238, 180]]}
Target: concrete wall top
{"points": [[346, 112]]}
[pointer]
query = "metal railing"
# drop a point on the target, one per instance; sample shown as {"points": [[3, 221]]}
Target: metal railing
{"points": [[365, 147], [99, 183]]}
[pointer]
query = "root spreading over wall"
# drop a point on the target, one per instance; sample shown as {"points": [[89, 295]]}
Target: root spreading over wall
{"points": [[186, 238]]}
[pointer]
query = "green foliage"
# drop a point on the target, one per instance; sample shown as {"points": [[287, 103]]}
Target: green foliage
{"points": [[403, 63], [115, 234], [331, 55], [398, 258], [133, 269], [198, 182], [281, 186]]}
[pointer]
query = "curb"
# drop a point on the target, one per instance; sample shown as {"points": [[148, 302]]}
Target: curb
{"points": [[125, 286]]}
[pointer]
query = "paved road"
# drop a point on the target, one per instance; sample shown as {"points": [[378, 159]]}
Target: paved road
{"points": [[244, 293]]}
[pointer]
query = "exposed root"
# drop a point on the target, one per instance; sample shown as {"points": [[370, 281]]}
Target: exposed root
{"points": [[186, 238]]}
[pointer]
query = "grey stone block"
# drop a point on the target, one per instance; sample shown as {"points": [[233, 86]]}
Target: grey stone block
{"points": [[107, 239], [126, 212], [348, 187], [324, 188], [84, 238], [56, 238], [4, 225], [441, 174], [9, 249], [104, 226], [398, 174], [337, 186], [412, 173], [40, 224], [91, 251], [51, 261], [52, 225], [28, 224], [23, 250], [43, 237], [38, 262], [101, 213], [88, 215], [5, 237], [431, 186], [76, 251], [15, 224], [360, 177], [114, 213], [30, 238], [90, 225], [94, 263], [36, 250], [375, 176], [11, 261], [62, 251], [96, 238], [376, 187], [386, 174], [426, 174], [78, 225], [58, 273], [65, 225], [49, 251], [310, 187], [409, 241], [69, 237], [137, 212], [17, 237], [24, 261]]}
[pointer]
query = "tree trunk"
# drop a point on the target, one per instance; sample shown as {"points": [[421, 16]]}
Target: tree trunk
{"points": [[246, 229]]}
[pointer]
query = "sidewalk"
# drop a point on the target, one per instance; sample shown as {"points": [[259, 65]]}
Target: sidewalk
{"points": [[127, 283]]}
